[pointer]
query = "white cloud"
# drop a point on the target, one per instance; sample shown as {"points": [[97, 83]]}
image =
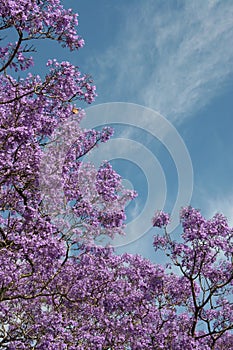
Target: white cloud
{"points": [[172, 59]]}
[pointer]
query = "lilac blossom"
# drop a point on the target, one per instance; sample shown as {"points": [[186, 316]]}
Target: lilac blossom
{"points": [[160, 219]]}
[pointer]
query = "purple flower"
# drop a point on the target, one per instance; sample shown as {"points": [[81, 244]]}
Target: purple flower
{"points": [[160, 219]]}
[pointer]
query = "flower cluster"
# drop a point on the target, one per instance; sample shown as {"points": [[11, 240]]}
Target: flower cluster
{"points": [[205, 261], [107, 182], [70, 82], [160, 219], [41, 19]]}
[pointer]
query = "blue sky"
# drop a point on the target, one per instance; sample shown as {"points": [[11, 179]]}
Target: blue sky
{"points": [[174, 57]]}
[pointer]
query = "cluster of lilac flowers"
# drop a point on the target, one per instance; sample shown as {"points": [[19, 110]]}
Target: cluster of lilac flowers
{"points": [[107, 182], [160, 219]]}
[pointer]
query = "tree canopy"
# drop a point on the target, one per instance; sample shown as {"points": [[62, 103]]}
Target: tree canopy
{"points": [[58, 289]]}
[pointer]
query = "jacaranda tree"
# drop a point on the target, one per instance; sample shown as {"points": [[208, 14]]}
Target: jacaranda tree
{"points": [[58, 289]]}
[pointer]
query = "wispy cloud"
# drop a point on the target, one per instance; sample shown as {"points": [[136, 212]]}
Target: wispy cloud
{"points": [[172, 58]]}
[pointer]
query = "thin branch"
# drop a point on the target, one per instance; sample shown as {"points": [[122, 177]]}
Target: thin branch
{"points": [[14, 52]]}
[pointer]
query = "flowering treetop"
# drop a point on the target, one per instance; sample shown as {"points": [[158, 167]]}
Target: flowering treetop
{"points": [[58, 290]]}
